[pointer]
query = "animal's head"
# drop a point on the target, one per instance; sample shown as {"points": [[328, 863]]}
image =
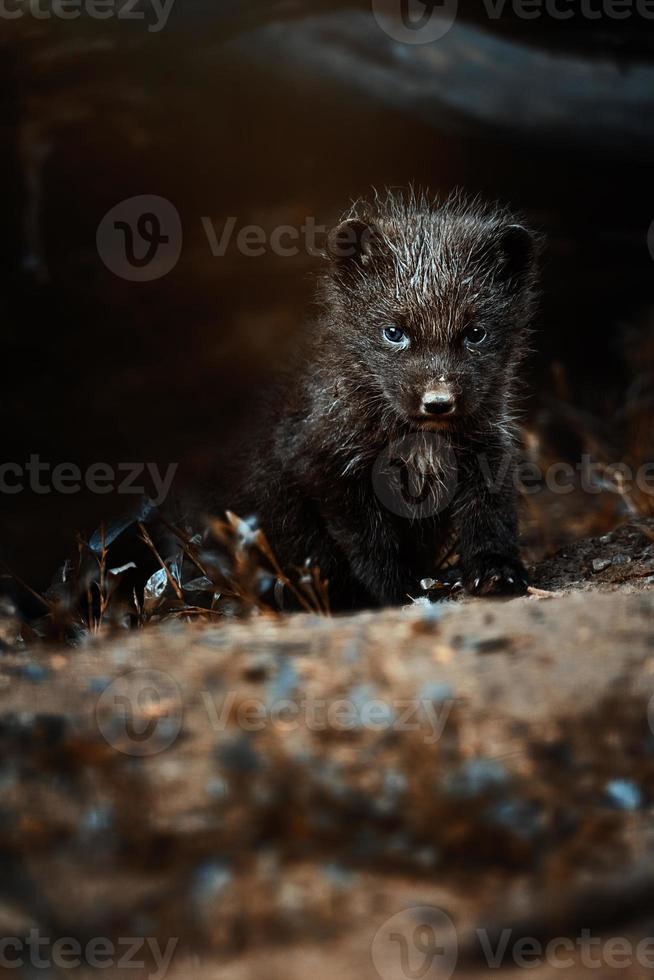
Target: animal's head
{"points": [[429, 307]]}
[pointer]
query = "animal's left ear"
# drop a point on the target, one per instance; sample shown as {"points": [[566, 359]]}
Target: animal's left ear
{"points": [[353, 243], [517, 253]]}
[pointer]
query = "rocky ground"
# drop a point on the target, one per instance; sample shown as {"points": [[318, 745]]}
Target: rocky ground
{"points": [[346, 797]]}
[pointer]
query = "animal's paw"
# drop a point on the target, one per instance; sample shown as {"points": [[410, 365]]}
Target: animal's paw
{"points": [[494, 574]]}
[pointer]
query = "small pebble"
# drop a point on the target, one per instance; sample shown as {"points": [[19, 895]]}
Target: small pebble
{"points": [[338, 877], [217, 789], [495, 644], [209, 882], [436, 691], [238, 755], [35, 673], [97, 819], [524, 818], [98, 684], [284, 683], [624, 794], [477, 777]]}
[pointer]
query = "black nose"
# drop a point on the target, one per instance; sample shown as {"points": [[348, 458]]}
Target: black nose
{"points": [[436, 403]]}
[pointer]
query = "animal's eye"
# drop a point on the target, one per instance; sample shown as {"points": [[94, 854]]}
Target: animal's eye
{"points": [[394, 335], [474, 336]]}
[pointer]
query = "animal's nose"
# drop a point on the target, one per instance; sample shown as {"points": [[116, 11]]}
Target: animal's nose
{"points": [[438, 403]]}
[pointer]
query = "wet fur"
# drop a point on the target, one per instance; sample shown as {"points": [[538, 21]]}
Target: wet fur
{"points": [[434, 269]]}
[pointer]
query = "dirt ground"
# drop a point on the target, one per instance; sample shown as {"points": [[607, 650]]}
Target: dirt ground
{"points": [[347, 797]]}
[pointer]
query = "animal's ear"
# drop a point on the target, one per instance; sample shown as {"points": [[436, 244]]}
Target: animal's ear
{"points": [[353, 243], [517, 253]]}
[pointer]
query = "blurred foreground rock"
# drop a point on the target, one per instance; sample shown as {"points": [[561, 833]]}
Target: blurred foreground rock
{"points": [[342, 798]]}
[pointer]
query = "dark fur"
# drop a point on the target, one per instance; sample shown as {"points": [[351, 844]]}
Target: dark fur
{"points": [[434, 270]]}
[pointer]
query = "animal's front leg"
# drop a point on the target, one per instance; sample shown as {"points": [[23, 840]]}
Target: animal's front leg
{"points": [[488, 530], [370, 544]]}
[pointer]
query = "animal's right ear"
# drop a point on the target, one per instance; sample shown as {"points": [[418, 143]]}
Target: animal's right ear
{"points": [[353, 243], [518, 248]]}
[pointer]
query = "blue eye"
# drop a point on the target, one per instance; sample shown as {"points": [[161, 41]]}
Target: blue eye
{"points": [[394, 335], [474, 336]]}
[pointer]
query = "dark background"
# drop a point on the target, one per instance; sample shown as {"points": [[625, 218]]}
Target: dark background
{"points": [[271, 112]]}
